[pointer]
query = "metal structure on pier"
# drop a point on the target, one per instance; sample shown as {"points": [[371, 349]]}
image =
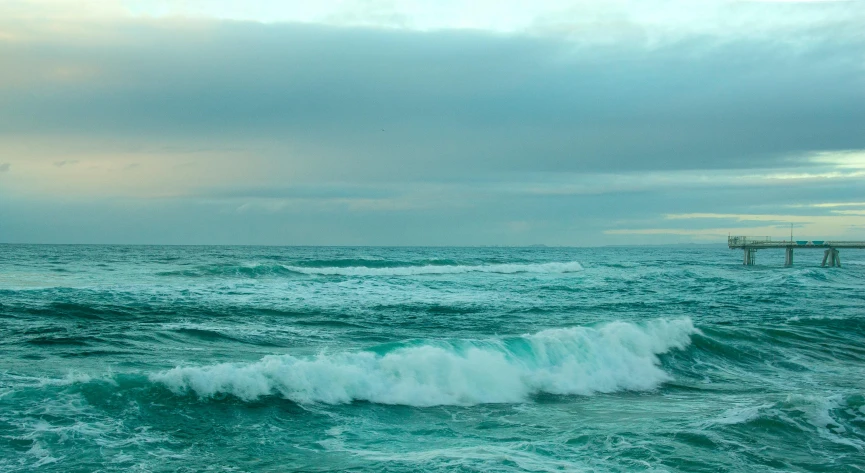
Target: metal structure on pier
{"points": [[750, 245]]}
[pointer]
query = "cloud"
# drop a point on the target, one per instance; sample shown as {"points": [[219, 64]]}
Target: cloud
{"points": [[563, 123], [839, 204], [316, 99], [60, 164], [589, 21], [4, 167], [835, 225]]}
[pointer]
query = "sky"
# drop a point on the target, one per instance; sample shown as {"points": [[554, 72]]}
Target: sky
{"points": [[376, 122]]}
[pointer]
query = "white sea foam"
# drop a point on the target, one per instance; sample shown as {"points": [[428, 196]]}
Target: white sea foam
{"points": [[512, 268], [478, 457], [739, 415], [580, 360], [807, 412], [818, 411]]}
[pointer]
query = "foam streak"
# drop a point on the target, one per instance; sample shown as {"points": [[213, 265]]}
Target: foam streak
{"points": [[513, 268]]}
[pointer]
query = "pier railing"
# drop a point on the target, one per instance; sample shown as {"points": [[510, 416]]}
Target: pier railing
{"points": [[750, 245], [741, 241]]}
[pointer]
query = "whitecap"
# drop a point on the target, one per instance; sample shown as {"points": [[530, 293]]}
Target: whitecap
{"points": [[612, 357], [511, 268]]}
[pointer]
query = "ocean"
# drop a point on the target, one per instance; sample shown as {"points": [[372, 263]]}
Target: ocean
{"points": [[278, 359]]}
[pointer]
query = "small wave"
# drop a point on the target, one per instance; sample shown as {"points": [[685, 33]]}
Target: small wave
{"points": [[231, 270], [504, 268], [71, 378], [378, 269], [738, 415], [49, 341], [373, 263], [204, 334], [573, 361], [833, 417]]}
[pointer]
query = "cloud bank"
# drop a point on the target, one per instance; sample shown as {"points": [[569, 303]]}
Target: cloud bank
{"points": [[562, 123]]}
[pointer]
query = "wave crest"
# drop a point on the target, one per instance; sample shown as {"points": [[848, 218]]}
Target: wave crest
{"points": [[382, 269], [508, 268], [580, 360]]}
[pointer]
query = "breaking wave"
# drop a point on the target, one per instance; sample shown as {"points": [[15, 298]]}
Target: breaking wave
{"points": [[607, 358], [369, 269], [511, 268]]}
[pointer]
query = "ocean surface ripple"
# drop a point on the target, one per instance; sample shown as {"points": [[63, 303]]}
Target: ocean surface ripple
{"points": [[272, 359]]}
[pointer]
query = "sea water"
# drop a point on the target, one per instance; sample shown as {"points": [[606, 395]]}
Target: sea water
{"points": [[272, 359]]}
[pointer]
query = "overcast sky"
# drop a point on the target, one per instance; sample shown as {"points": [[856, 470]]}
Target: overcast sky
{"points": [[430, 123]]}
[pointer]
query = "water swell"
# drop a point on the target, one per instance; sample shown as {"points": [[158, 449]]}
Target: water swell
{"points": [[231, 270], [577, 361], [373, 263], [502, 268], [836, 418], [341, 268]]}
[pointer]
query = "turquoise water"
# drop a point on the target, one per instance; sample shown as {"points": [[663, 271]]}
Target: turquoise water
{"points": [[267, 359]]}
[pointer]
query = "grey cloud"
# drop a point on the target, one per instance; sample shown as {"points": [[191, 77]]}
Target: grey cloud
{"points": [[484, 218], [319, 191], [454, 102], [493, 122], [60, 164]]}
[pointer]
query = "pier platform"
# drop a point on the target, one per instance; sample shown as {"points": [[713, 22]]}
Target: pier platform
{"points": [[831, 255]]}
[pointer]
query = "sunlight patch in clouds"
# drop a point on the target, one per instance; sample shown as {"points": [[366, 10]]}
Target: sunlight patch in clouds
{"points": [[831, 204], [597, 21], [812, 226]]}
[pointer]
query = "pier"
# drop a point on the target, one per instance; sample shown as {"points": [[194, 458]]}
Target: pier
{"points": [[831, 255]]}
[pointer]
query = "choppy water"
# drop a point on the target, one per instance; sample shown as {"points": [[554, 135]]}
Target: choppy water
{"points": [[428, 359]]}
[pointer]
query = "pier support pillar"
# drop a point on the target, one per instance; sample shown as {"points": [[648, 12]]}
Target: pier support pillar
{"points": [[750, 254], [788, 261], [832, 258]]}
